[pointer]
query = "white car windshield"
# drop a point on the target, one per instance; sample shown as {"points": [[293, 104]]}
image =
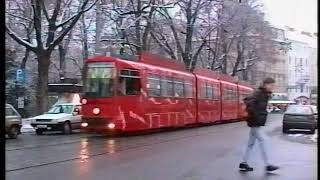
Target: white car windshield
{"points": [[57, 109]]}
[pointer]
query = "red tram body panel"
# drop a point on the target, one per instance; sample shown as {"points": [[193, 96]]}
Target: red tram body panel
{"points": [[123, 95], [208, 96]]}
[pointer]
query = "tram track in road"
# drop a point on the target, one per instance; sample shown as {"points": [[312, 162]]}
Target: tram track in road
{"points": [[48, 145], [80, 139], [125, 148]]}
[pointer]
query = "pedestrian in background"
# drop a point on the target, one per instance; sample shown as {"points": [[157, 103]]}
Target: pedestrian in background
{"points": [[257, 116]]}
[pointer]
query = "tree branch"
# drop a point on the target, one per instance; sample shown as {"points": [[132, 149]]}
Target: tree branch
{"points": [[19, 40], [36, 7], [55, 11], [166, 47], [76, 15], [45, 12], [72, 23], [24, 18]]}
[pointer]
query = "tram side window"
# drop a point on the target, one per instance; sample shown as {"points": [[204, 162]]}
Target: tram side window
{"points": [[216, 94], [233, 94], [241, 96], [129, 83], [227, 94], [179, 89], [203, 91], [188, 89], [167, 87], [230, 94], [154, 85], [209, 92]]}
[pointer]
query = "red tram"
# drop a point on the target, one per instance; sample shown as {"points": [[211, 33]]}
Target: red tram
{"points": [[155, 92]]}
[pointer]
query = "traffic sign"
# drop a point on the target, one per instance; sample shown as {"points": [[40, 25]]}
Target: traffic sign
{"points": [[20, 76]]}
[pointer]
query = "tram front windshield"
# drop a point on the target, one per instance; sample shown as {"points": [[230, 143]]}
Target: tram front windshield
{"points": [[99, 80]]}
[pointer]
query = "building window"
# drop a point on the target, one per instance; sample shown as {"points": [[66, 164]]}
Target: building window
{"points": [[306, 61], [289, 59]]}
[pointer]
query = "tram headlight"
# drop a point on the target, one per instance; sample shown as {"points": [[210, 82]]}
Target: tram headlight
{"points": [[111, 125], [84, 101], [84, 124], [96, 111]]}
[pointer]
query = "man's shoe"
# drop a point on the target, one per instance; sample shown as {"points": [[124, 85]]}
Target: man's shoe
{"points": [[245, 167], [271, 168]]}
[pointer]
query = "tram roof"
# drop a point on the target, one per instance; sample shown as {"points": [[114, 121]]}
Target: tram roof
{"points": [[171, 64], [146, 58]]}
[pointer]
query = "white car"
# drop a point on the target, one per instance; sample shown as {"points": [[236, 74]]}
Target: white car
{"points": [[62, 117]]}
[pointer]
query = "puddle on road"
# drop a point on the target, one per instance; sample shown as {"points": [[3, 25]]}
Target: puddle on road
{"points": [[84, 151]]}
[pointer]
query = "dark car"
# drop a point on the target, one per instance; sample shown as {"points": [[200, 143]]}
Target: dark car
{"points": [[299, 117]]}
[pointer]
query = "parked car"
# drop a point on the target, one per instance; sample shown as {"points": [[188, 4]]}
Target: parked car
{"points": [[61, 117], [13, 122], [299, 117]]}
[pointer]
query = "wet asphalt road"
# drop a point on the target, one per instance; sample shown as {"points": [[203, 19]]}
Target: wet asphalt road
{"points": [[202, 153]]}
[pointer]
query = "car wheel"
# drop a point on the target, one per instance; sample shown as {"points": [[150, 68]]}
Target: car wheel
{"points": [[39, 131], [13, 132], [66, 128], [285, 130]]}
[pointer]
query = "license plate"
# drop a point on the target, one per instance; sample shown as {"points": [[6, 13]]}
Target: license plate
{"points": [[41, 126]]}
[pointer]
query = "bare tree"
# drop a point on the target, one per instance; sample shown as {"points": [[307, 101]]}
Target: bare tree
{"points": [[54, 34], [132, 23], [189, 34], [240, 36]]}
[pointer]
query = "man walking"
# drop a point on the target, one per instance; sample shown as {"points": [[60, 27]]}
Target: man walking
{"points": [[257, 116]]}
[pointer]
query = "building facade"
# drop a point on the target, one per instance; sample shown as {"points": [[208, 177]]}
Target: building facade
{"points": [[302, 65], [274, 66]]}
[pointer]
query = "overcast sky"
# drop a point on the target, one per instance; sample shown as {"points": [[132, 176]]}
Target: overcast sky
{"points": [[299, 14]]}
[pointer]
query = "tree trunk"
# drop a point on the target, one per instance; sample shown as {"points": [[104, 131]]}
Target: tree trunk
{"points": [[25, 59], [42, 84], [138, 29], [85, 39], [224, 68], [245, 75], [189, 33], [239, 59], [62, 63], [99, 29]]}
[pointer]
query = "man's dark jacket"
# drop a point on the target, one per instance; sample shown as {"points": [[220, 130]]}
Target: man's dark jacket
{"points": [[257, 107]]}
